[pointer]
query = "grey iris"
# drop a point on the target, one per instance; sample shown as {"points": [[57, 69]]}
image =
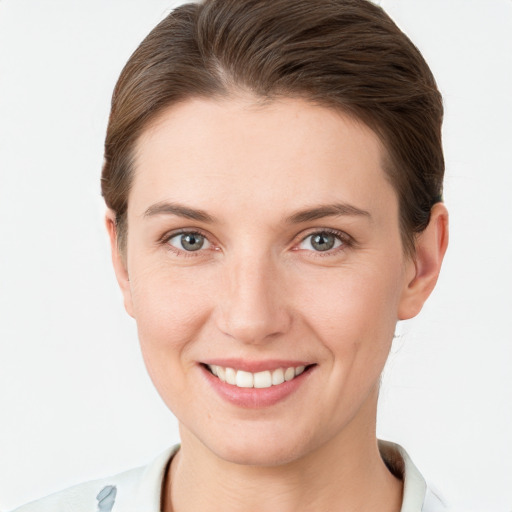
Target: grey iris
{"points": [[192, 241], [323, 241]]}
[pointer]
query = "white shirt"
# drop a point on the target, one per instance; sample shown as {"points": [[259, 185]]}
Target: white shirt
{"points": [[140, 489]]}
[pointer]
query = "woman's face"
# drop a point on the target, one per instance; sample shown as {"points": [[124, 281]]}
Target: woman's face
{"points": [[263, 238]]}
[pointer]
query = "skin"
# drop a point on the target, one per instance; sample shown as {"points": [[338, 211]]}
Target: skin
{"points": [[259, 290]]}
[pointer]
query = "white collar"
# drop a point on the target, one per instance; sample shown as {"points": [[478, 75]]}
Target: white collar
{"points": [[140, 489], [416, 497]]}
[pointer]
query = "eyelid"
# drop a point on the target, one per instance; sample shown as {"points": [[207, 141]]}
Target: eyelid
{"points": [[164, 240], [181, 231], [195, 234], [346, 240]]}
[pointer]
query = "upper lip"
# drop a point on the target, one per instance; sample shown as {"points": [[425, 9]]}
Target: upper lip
{"points": [[256, 366]]}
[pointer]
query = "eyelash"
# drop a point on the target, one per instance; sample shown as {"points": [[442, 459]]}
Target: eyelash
{"points": [[186, 254], [346, 242]]}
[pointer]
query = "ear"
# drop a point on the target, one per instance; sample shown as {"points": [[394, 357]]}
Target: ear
{"points": [[119, 262], [424, 267]]}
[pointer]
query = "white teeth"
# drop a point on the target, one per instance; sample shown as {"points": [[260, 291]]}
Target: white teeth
{"points": [[230, 376], [289, 373], [221, 373], [265, 379], [262, 380], [244, 379], [277, 377]]}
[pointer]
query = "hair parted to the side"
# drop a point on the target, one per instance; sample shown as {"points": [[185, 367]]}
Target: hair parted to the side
{"points": [[344, 54]]}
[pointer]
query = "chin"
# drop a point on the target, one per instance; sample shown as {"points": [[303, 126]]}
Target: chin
{"points": [[263, 449], [262, 456]]}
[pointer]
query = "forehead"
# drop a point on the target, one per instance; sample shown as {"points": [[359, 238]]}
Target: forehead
{"points": [[237, 153]]}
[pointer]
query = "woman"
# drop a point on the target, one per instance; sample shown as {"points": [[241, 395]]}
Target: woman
{"points": [[273, 177]]}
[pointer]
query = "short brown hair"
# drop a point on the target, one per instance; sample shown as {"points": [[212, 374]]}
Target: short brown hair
{"points": [[344, 54]]}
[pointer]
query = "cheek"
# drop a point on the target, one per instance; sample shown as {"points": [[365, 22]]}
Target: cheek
{"points": [[354, 310], [170, 308], [166, 301]]}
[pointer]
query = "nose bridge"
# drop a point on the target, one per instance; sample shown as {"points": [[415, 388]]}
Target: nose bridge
{"points": [[253, 308]]}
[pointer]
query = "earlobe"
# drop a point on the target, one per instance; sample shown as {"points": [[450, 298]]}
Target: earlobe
{"points": [[424, 268], [120, 267]]}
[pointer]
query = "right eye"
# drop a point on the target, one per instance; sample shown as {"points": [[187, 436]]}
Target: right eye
{"points": [[189, 241]]}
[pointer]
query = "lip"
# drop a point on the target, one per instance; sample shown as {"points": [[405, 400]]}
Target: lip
{"points": [[255, 398]]}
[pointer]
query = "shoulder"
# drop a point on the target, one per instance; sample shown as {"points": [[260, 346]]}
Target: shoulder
{"points": [[88, 496], [136, 489]]}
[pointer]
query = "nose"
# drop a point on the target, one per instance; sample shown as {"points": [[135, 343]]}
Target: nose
{"points": [[252, 306]]}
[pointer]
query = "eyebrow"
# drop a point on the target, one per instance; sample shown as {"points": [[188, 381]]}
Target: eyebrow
{"points": [[315, 213], [178, 210], [330, 210]]}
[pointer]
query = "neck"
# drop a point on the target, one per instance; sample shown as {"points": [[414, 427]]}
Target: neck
{"points": [[346, 473]]}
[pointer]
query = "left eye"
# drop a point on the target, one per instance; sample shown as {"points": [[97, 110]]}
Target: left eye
{"points": [[189, 242], [321, 242]]}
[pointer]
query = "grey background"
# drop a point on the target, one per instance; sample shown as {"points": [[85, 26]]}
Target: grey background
{"points": [[75, 401]]}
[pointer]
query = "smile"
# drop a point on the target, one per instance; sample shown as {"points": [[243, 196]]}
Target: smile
{"points": [[264, 379]]}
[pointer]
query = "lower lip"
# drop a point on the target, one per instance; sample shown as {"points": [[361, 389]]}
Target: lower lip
{"points": [[256, 398]]}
